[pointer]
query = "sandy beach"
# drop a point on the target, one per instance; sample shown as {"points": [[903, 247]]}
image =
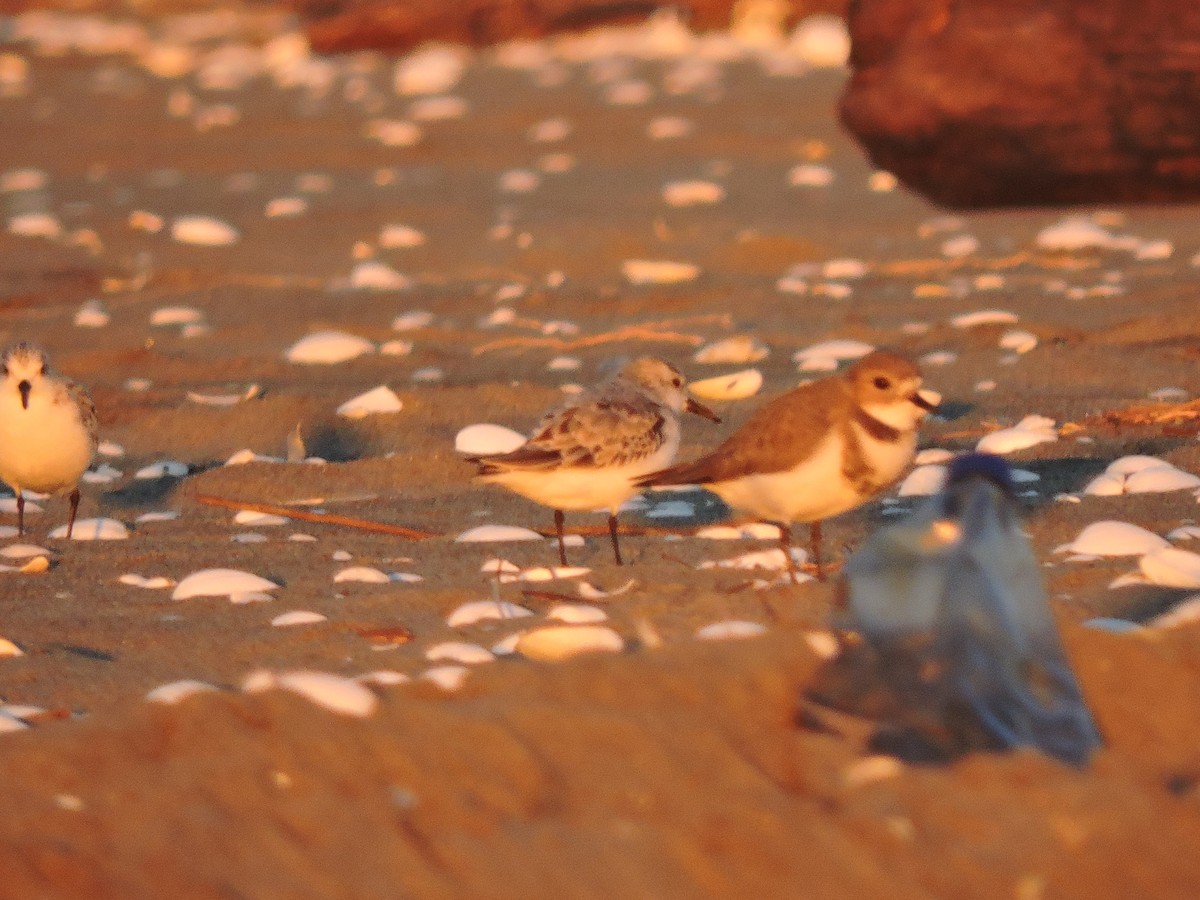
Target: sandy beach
{"points": [[475, 235]]}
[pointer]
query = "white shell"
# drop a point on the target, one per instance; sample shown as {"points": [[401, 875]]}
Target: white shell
{"points": [[735, 386], [364, 574], [174, 691], [1171, 567], [24, 551], [821, 40], [731, 629], [1160, 479], [589, 591], [377, 400], [448, 678], [1074, 232], [810, 175], [751, 531], [373, 275], [258, 519], [837, 350], [328, 347], [462, 652], [92, 314], [164, 468], [1110, 538], [984, 317], [8, 648], [220, 583], [735, 350], [772, 559], [547, 573], [692, 193], [400, 237], [93, 530], [1183, 613], [923, 481], [204, 231], [156, 583], [486, 439], [650, 271], [176, 315], [297, 617], [1018, 341], [483, 534], [555, 643], [334, 692], [484, 610], [1105, 485], [931, 456], [1030, 431], [576, 614]]}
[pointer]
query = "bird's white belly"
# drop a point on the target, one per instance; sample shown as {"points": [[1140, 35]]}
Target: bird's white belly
{"points": [[43, 448]]}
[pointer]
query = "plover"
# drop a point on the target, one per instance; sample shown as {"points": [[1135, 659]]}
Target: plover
{"points": [[589, 453], [955, 592], [819, 450], [47, 429]]}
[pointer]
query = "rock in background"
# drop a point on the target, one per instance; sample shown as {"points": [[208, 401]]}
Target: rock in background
{"points": [[1020, 102]]}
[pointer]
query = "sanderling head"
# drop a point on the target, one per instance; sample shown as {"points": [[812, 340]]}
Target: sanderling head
{"points": [[24, 365], [663, 383]]}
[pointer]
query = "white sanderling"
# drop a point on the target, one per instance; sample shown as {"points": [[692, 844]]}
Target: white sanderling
{"points": [[589, 453], [819, 450], [47, 429]]}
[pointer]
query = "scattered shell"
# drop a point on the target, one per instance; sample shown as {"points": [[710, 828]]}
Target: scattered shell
{"points": [[1171, 567], [1140, 475], [823, 643], [164, 468], [8, 648], [260, 519], [158, 516], [821, 40], [377, 400], [576, 613], [1030, 431], [225, 399], [364, 574], [333, 692], [984, 317], [204, 231], [297, 617], [1183, 613], [92, 314], [484, 610], [825, 356], [649, 271], [93, 530], [731, 629], [460, 652], [547, 573], [589, 591], [328, 347], [156, 583], [871, 769], [485, 439], [448, 678], [555, 643], [735, 386], [35, 224], [1018, 341], [24, 551], [175, 691], [1111, 538], [772, 559], [754, 531], [735, 350], [232, 583], [923, 481], [400, 237], [373, 275], [496, 533], [692, 193], [810, 175]]}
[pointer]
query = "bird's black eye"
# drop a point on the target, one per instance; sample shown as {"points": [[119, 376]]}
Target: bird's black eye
{"points": [[882, 383], [677, 381], [43, 370]]}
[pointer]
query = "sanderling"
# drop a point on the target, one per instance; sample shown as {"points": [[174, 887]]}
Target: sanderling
{"points": [[47, 429], [819, 450], [588, 453]]}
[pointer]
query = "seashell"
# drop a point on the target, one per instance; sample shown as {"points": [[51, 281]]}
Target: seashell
{"points": [[336, 693], [754, 531], [1105, 484], [285, 207], [164, 468], [496, 534], [549, 131], [35, 224], [692, 193], [400, 237], [232, 583], [810, 175], [871, 769], [757, 559], [823, 643], [589, 591], [92, 530], [923, 481], [1185, 612], [556, 643], [176, 315], [821, 40], [156, 583], [735, 386], [1184, 533], [204, 231], [448, 678], [174, 691], [364, 574], [649, 271], [485, 439], [1111, 538], [433, 69], [576, 613], [158, 516], [731, 629], [24, 551], [1160, 479], [1075, 232], [984, 317], [735, 350], [485, 610], [373, 275], [428, 375], [92, 314], [1171, 567], [18, 180], [394, 132], [818, 356], [10, 722], [1030, 431], [665, 128], [328, 347], [8, 648], [939, 358], [547, 573], [297, 617], [1018, 341], [377, 400], [1127, 465], [518, 181], [383, 677], [413, 320], [960, 246], [459, 652]]}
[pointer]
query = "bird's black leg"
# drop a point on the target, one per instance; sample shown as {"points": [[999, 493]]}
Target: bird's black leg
{"points": [[74, 509], [558, 527], [612, 532], [785, 544], [20, 514], [814, 534]]}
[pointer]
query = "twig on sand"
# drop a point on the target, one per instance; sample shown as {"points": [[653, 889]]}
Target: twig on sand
{"points": [[305, 515], [655, 332]]}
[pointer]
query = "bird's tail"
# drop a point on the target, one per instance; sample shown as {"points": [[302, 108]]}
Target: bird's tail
{"points": [[684, 473]]}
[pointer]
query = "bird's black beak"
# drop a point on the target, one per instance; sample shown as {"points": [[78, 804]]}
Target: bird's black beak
{"points": [[24, 387], [923, 400], [701, 410]]}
